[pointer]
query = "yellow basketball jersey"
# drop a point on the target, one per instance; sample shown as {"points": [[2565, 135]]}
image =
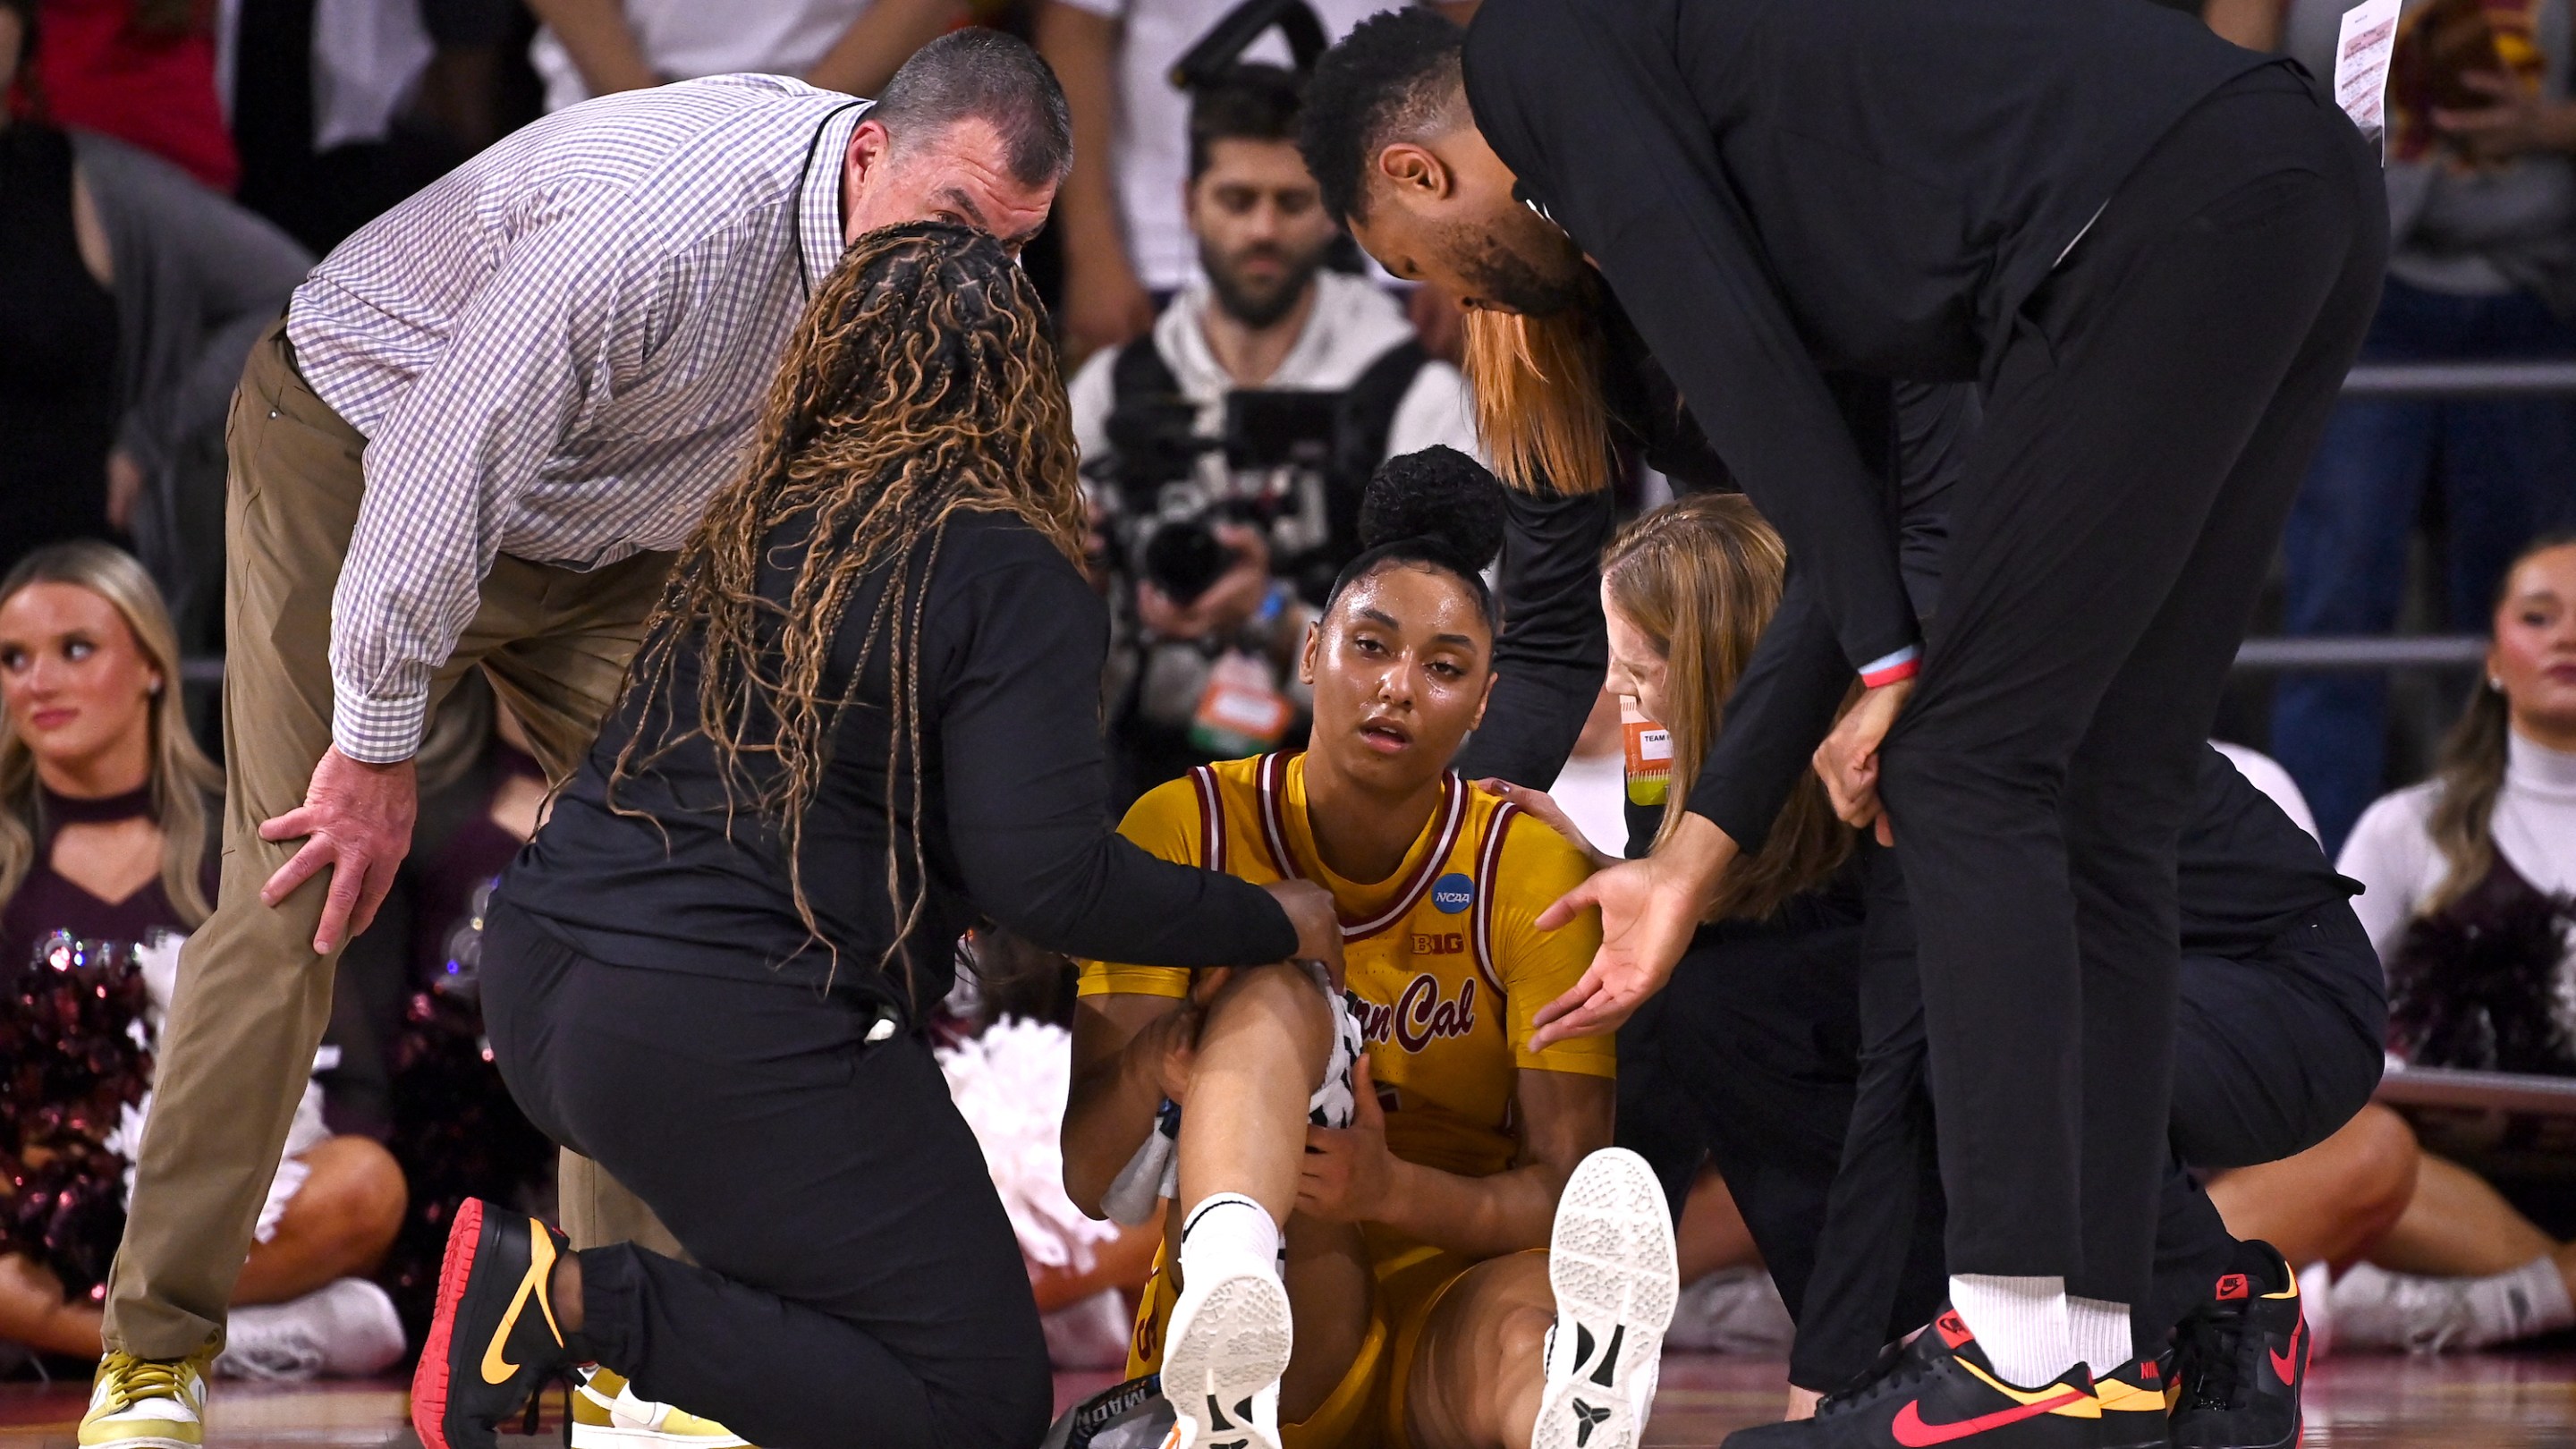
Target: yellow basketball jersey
{"points": [[1444, 969]]}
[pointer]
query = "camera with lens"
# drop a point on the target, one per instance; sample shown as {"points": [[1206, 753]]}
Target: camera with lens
{"points": [[1277, 465]]}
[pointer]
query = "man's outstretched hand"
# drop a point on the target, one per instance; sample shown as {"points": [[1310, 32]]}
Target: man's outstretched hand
{"points": [[1649, 909], [356, 819]]}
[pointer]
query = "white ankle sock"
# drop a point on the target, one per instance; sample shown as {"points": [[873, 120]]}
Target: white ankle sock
{"points": [[2021, 1323], [1228, 1232], [2102, 1337], [2525, 1303]]}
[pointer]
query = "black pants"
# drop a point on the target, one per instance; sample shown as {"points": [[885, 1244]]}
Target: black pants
{"points": [[1791, 1053], [2146, 428], [859, 1282]]}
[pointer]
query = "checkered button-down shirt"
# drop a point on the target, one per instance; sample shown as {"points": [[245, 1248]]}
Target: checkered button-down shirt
{"points": [[558, 352]]}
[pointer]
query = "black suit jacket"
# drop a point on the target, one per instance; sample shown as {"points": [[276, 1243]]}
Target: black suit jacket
{"points": [[1779, 188]]}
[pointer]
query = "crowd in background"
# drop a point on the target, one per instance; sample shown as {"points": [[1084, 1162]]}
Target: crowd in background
{"points": [[169, 169]]}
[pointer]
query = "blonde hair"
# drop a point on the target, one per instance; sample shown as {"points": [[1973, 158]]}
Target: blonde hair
{"points": [[1701, 579], [2471, 766], [182, 776], [1536, 382]]}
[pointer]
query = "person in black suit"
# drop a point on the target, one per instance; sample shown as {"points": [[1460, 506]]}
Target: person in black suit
{"points": [[2156, 255]]}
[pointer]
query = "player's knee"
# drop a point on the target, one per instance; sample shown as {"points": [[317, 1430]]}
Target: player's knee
{"points": [[1285, 999], [2381, 1157], [1521, 1336], [355, 1199]]}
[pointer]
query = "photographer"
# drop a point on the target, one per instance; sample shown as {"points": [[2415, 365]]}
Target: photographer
{"points": [[1226, 449]]}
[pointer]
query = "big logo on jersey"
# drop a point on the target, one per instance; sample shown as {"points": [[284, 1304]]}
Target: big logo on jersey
{"points": [[1420, 1015]]}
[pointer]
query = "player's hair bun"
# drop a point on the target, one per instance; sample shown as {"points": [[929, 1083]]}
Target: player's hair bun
{"points": [[1441, 498]]}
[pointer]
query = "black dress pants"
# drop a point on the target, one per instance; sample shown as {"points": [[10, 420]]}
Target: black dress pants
{"points": [[1791, 1053], [857, 1281], [2146, 427]]}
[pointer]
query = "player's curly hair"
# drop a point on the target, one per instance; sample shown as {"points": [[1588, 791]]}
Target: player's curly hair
{"points": [[921, 382]]}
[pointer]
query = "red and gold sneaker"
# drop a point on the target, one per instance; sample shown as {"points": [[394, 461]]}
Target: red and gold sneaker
{"points": [[1942, 1390], [495, 1339]]}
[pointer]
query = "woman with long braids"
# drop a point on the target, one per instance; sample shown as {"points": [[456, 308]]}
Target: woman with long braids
{"points": [[864, 717]]}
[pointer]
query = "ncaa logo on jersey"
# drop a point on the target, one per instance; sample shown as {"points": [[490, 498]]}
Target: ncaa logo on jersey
{"points": [[1452, 893]]}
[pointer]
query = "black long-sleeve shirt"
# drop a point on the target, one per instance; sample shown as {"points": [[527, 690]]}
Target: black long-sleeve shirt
{"points": [[1013, 822], [1553, 648], [1775, 188]]}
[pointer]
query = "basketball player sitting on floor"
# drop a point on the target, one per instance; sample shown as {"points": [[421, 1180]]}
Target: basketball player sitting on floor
{"points": [[1363, 1183]]}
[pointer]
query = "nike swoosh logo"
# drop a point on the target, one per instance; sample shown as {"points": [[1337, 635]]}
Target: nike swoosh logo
{"points": [[2286, 1364], [541, 1261], [1913, 1433]]}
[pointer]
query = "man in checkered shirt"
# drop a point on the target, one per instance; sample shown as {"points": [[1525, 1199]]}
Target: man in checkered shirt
{"points": [[476, 437]]}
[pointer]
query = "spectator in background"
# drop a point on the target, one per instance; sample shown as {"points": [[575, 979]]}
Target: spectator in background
{"points": [[104, 836], [2469, 878], [592, 47], [1265, 314], [1128, 241], [2482, 190], [341, 108], [142, 71], [129, 296]]}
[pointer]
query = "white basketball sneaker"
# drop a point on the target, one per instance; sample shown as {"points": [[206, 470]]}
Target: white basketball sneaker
{"points": [[1612, 1264], [1222, 1359]]}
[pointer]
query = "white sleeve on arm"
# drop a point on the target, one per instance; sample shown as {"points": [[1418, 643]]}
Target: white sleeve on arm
{"points": [[1088, 402], [1436, 410], [2392, 855], [442, 470]]}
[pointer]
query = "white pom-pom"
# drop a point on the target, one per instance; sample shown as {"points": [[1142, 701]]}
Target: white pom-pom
{"points": [[1010, 1085]]}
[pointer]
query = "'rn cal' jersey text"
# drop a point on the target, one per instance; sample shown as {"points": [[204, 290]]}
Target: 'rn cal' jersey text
{"points": [[1444, 970]]}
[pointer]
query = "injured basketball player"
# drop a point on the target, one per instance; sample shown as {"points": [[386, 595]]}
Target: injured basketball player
{"points": [[1391, 1222]]}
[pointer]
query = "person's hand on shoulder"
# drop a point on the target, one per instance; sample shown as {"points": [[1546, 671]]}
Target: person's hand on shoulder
{"points": [[1543, 807]]}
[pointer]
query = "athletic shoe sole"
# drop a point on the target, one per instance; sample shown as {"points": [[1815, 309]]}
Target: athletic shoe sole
{"points": [[1222, 1361], [429, 1380], [610, 1436], [1611, 1261]]}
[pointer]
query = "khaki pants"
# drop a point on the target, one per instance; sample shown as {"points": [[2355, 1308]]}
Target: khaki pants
{"points": [[253, 997]]}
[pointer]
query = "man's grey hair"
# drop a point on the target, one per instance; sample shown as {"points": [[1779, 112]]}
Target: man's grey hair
{"points": [[988, 76]]}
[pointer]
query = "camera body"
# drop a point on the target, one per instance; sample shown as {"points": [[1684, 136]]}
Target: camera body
{"points": [[1278, 464]]}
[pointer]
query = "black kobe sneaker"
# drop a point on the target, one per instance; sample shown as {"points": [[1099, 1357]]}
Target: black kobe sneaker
{"points": [[495, 1339], [2242, 1359], [1941, 1390]]}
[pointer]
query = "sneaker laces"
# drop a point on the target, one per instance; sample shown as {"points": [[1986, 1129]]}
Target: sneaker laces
{"points": [[2206, 1358], [131, 1380], [1898, 1367]]}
